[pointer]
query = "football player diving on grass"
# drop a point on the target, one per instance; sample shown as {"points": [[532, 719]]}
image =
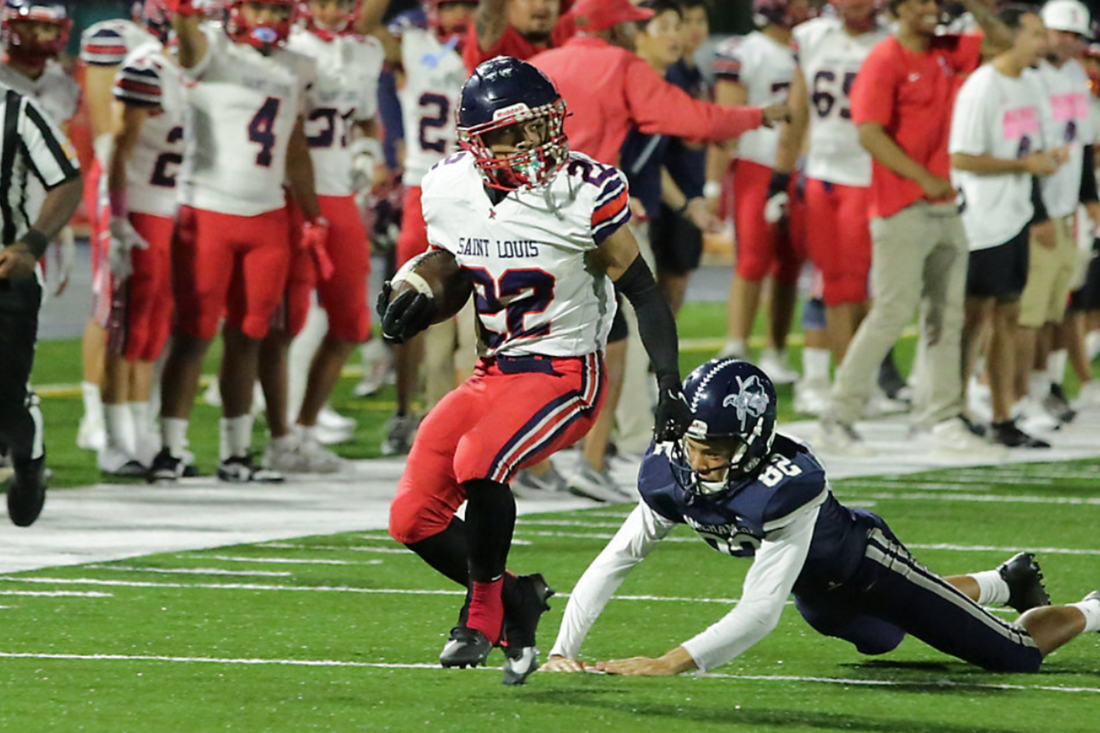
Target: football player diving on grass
{"points": [[538, 231], [749, 491]]}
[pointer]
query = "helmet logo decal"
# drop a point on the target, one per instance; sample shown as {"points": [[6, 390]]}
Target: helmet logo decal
{"points": [[511, 110], [750, 400]]}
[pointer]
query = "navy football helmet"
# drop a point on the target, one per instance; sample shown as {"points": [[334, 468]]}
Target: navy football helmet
{"points": [[505, 95], [732, 401]]}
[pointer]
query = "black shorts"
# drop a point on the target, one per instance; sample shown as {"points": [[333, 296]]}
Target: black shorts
{"points": [[677, 243], [999, 272], [1087, 298]]}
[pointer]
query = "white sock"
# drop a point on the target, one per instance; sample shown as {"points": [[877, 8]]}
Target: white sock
{"points": [[1090, 609], [287, 442], [141, 412], [93, 403], [736, 347], [1056, 366], [307, 432], [992, 588], [236, 436], [121, 430], [815, 364], [1092, 344], [173, 431], [1038, 385]]}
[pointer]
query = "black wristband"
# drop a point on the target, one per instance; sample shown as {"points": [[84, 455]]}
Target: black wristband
{"points": [[36, 241]]}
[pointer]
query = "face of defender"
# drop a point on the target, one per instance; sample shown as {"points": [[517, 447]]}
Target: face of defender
{"points": [[661, 39], [710, 459], [331, 13]]}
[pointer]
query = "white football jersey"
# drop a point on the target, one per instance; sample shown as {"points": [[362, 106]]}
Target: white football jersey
{"points": [[242, 107], [1067, 87], [107, 43], [434, 75], [153, 81], [56, 92], [829, 59], [534, 291], [999, 116], [766, 69], [346, 92]]}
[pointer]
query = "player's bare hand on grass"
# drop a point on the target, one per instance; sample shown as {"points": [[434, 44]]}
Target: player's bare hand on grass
{"points": [[558, 663]]}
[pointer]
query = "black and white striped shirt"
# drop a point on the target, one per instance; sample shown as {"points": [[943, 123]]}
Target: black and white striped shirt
{"points": [[29, 144]]}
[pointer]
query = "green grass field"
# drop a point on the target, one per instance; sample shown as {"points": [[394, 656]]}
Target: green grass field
{"points": [[342, 632]]}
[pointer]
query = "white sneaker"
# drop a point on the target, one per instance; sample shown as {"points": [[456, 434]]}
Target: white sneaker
{"points": [[92, 434], [115, 462], [377, 368], [330, 418], [880, 404], [400, 432], [284, 456], [315, 458], [588, 482], [1033, 418], [979, 402], [526, 485], [811, 397], [841, 439], [326, 435], [774, 364], [1088, 398], [953, 439], [733, 349]]}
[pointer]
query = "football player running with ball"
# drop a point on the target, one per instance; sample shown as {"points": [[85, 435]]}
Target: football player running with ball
{"points": [[539, 232], [751, 492]]}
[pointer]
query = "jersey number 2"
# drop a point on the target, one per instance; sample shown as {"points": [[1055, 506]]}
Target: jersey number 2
{"points": [[520, 293], [261, 130]]}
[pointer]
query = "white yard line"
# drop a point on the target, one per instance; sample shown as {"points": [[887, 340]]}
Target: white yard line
{"points": [[192, 571], [57, 593], [289, 560]]}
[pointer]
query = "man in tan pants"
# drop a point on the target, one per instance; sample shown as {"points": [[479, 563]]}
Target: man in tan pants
{"points": [[901, 104]]}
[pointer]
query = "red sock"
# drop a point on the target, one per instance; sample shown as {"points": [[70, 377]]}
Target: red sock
{"points": [[487, 610]]}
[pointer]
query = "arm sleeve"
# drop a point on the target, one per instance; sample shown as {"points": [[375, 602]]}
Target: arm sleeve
{"points": [[48, 151], [767, 586], [656, 324], [138, 84], [873, 91], [970, 128], [660, 108], [640, 533]]}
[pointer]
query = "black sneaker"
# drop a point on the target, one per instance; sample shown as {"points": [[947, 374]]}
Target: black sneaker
{"points": [[465, 647], [1056, 404], [1006, 433], [1025, 582], [243, 470], [27, 491], [166, 469], [975, 428], [130, 469]]}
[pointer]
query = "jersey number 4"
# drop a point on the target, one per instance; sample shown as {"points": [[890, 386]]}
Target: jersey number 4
{"points": [[261, 130]]}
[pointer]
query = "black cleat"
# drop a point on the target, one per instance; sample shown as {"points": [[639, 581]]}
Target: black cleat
{"points": [[519, 663], [27, 491], [166, 469], [525, 600], [1009, 435], [1025, 582], [244, 470], [465, 647]]}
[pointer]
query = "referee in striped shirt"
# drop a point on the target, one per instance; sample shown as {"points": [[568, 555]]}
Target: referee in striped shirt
{"points": [[30, 145]]}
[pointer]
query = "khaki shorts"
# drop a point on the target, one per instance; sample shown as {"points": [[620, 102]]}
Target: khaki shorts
{"points": [[1049, 277]]}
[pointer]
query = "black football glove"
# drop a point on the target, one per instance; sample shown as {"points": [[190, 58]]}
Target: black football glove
{"points": [[673, 414], [409, 314], [778, 201]]}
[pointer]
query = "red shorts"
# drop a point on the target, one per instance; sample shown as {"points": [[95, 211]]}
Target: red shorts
{"points": [[99, 233], [344, 294], [141, 308], [414, 232], [492, 425], [838, 238], [231, 265], [763, 249]]}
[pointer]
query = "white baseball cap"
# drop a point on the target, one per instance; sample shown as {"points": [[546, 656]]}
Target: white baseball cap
{"points": [[1067, 15]]}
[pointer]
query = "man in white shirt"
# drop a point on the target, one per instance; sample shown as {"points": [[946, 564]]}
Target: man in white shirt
{"points": [[996, 146]]}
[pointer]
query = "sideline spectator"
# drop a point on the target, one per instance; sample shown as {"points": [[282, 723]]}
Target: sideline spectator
{"points": [[517, 28], [901, 103]]}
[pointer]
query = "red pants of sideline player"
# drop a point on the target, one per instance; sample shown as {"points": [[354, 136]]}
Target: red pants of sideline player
{"points": [[231, 265], [763, 249], [344, 294], [141, 306], [838, 238], [492, 425]]}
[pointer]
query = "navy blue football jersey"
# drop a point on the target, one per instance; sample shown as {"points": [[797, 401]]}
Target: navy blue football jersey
{"points": [[737, 520]]}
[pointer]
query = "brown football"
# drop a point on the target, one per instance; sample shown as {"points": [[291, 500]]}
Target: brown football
{"points": [[435, 273]]}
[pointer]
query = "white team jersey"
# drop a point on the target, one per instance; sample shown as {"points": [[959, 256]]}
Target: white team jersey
{"points": [[346, 92], [766, 69], [998, 116], [56, 92], [1067, 87], [242, 107], [107, 43], [151, 80], [526, 255], [830, 58], [434, 75]]}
